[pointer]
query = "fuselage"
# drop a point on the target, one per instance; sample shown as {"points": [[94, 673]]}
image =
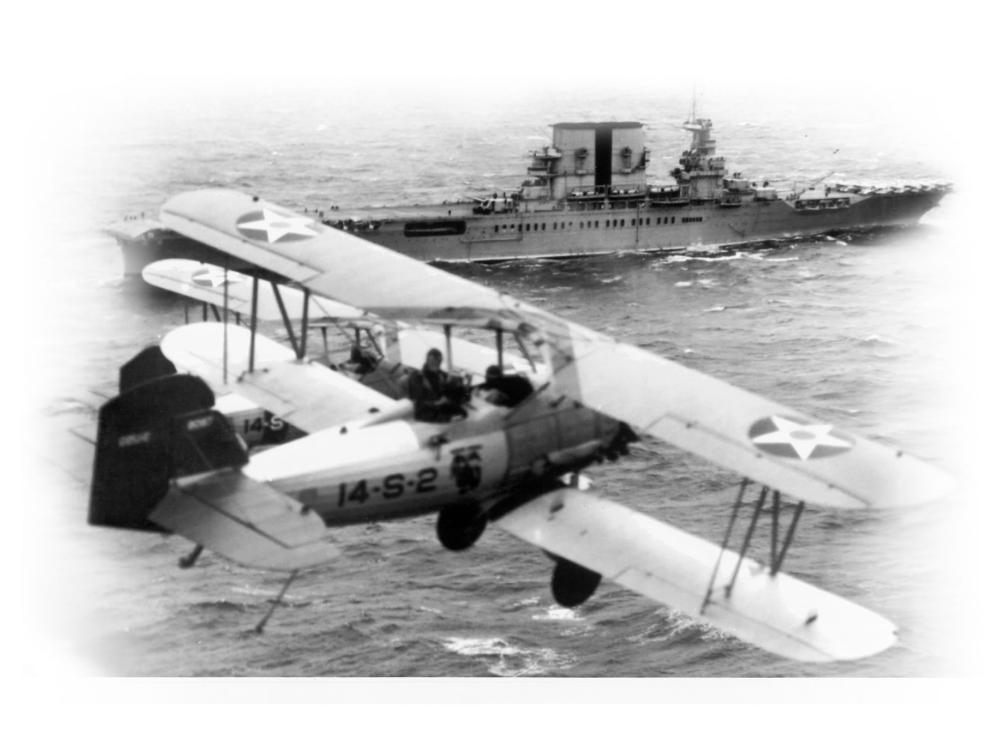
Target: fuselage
{"points": [[407, 468]]}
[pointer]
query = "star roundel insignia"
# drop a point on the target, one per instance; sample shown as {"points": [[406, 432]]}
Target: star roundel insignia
{"points": [[791, 437], [210, 277], [274, 226]]}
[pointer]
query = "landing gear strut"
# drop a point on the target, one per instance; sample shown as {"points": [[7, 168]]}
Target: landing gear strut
{"points": [[459, 526]]}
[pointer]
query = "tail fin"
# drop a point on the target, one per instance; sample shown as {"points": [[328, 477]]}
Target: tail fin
{"points": [[147, 365], [156, 431]]}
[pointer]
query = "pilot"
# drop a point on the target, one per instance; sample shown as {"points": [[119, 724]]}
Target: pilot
{"points": [[360, 361], [504, 390], [435, 396]]}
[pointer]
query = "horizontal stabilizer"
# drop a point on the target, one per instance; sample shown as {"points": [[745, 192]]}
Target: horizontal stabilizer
{"points": [[771, 444], [306, 394], [246, 522], [778, 613]]}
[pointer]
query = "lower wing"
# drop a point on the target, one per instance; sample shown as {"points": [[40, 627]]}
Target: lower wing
{"points": [[777, 612]]}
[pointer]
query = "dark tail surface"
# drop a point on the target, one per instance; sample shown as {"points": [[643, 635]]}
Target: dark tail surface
{"points": [[147, 365], [159, 430]]}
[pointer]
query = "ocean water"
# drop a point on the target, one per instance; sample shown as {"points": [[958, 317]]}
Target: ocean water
{"points": [[858, 330]]}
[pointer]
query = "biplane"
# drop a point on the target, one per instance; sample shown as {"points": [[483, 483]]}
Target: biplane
{"points": [[482, 453]]}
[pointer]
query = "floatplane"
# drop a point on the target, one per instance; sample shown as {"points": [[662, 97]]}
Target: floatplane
{"points": [[503, 446]]}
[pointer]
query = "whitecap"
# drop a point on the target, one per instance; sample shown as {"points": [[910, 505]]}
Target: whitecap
{"points": [[555, 612], [536, 662], [683, 283], [875, 340], [677, 624], [480, 646], [511, 661]]}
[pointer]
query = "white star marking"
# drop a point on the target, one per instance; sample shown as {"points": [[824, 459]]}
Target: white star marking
{"points": [[213, 278], [803, 438], [278, 226]]}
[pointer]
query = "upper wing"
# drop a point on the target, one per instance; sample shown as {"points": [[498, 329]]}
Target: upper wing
{"points": [[220, 287], [772, 444], [765, 441], [332, 263], [776, 612], [306, 394]]}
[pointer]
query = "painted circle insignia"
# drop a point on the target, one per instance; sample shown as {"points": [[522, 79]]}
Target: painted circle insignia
{"points": [[275, 226], [792, 437], [211, 278]]}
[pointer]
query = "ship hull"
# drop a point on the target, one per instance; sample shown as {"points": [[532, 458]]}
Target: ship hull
{"points": [[548, 234], [459, 235]]}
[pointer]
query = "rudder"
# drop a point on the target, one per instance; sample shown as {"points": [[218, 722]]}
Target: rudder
{"points": [[147, 365], [161, 429]]}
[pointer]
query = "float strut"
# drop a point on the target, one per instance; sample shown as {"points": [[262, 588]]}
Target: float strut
{"points": [[275, 603], [189, 559]]}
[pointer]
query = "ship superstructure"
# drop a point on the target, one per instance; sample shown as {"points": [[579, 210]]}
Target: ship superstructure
{"points": [[587, 194]]}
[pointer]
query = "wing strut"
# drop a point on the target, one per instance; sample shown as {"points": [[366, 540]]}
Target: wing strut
{"points": [[447, 346], [777, 555], [301, 352], [253, 320], [725, 542], [524, 351], [284, 317], [225, 331]]}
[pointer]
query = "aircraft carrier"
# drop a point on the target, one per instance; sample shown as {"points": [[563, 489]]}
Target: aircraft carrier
{"points": [[586, 194]]}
